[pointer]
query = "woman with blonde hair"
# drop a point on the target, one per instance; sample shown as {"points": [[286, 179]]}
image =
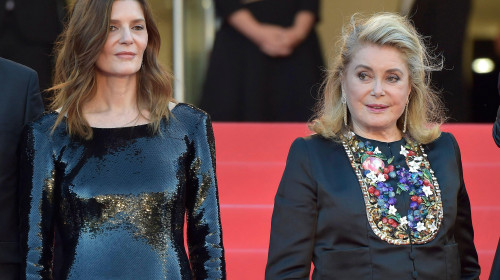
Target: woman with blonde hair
{"points": [[378, 191], [109, 176]]}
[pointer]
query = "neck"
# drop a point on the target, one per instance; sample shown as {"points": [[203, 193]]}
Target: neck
{"points": [[382, 135], [114, 94], [115, 103]]}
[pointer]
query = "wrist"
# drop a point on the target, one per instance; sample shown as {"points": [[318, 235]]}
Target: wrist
{"points": [[246, 24]]}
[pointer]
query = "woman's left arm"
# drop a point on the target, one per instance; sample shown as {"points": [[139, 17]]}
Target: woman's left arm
{"points": [[204, 231], [464, 233]]}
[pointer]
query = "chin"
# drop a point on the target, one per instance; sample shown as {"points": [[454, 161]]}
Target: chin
{"points": [[127, 72]]}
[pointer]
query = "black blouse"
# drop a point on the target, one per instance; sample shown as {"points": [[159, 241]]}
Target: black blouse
{"points": [[320, 217], [116, 204]]}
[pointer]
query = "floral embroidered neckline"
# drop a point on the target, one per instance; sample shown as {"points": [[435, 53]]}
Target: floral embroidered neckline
{"points": [[373, 169]]}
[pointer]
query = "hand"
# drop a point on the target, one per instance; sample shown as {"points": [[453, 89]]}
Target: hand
{"points": [[274, 40], [292, 38]]}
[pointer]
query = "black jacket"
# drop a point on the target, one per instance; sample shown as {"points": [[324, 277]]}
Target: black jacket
{"points": [[496, 126], [320, 217], [20, 102]]}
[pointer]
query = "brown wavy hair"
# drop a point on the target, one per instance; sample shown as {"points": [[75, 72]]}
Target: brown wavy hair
{"points": [[425, 108], [77, 50]]}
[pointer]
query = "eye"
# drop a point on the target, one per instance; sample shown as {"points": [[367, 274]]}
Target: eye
{"points": [[138, 27], [113, 28], [363, 76], [393, 78]]}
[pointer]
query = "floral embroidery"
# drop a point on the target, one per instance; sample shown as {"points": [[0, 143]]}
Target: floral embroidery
{"points": [[424, 217]]}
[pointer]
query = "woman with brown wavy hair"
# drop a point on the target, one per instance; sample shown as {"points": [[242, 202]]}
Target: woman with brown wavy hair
{"points": [[109, 176]]}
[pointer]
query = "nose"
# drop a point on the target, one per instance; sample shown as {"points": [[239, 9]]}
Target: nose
{"points": [[378, 89], [126, 37]]}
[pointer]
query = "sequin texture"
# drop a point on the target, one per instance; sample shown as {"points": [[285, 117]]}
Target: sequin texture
{"points": [[115, 206]]}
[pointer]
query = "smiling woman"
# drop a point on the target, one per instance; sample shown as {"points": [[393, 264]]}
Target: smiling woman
{"points": [[109, 177], [378, 84], [378, 192]]}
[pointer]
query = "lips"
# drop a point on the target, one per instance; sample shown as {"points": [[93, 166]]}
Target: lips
{"points": [[126, 55], [377, 107]]}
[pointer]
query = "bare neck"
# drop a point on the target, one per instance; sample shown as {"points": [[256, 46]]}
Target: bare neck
{"points": [[383, 135], [115, 103]]}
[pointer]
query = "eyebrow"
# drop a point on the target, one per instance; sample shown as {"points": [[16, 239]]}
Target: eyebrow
{"points": [[134, 21], [369, 68]]}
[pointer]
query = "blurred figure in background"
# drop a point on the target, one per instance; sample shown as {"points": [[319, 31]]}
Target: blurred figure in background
{"points": [[266, 61], [28, 30], [20, 103], [444, 23]]}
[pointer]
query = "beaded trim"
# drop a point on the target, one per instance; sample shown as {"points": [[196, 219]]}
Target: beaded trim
{"points": [[399, 235]]}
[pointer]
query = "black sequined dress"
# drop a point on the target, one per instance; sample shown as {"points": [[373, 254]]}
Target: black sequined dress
{"points": [[114, 207]]}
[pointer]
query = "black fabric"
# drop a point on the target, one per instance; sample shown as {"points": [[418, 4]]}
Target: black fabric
{"points": [[244, 84], [20, 103], [27, 35], [320, 217], [495, 268], [224, 8], [118, 202], [496, 125], [443, 23]]}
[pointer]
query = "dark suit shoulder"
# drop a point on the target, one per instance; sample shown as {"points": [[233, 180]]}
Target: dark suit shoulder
{"points": [[11, 68]]}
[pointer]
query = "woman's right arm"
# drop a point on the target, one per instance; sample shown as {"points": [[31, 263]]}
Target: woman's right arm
{"points": [[37, 183], [294, 219]]}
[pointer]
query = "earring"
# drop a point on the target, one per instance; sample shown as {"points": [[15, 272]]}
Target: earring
{"points": [[344, 106], [406, 117]]}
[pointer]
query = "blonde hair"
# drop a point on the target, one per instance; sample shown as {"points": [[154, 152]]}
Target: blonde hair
{"points": [[425, 109], [75, 71]]}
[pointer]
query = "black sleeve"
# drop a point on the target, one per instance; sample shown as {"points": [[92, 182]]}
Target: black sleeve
{"points": [[464, 233], [312, 6], [496, 126], [226, 7], [37, 205], [293, 225], [204, 230]]}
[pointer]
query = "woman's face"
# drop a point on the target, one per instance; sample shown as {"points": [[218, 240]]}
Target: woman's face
{"points": [[126, 42], [377, 87]]}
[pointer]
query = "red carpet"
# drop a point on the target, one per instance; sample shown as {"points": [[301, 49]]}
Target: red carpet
{"points": [[250, 161]]}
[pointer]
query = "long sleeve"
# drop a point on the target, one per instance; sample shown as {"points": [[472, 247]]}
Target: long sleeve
{"points": [[37, 195], [294, 219], [204, 230], [464, 233]]}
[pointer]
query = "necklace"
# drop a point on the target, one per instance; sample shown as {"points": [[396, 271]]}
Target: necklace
{"points": [[373, 170]]}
